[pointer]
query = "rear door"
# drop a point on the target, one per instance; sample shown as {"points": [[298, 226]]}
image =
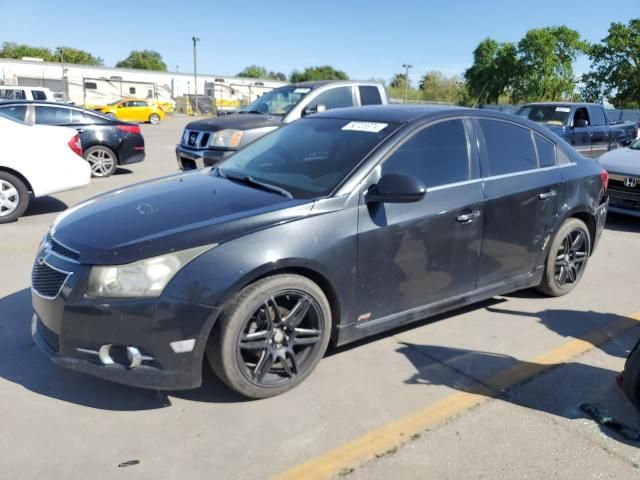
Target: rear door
{"points": [[414, 254], [522, 200], [600, 132]]}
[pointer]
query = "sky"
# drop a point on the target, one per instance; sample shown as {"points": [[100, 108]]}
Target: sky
{"points": [[365, 38]]}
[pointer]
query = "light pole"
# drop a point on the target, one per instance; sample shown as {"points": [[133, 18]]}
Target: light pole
{"points": [[195, 73], [406, 66]]}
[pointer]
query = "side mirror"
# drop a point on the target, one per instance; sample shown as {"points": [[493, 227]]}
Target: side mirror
{"points": [[396, 188], [580, 123], [310, 109]]}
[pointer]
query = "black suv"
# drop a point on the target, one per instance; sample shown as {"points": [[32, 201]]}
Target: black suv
{"points": [[338, 226]]}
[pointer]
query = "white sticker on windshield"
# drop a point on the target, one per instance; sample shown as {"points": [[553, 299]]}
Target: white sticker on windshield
{"points": [[373, 127], [302, 90], [563, 109]]}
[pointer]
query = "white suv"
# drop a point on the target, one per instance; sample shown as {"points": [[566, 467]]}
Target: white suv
{"points": [[16, 92]]}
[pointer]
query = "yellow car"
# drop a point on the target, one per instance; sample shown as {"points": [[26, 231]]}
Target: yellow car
{"points": [[134, 110]]}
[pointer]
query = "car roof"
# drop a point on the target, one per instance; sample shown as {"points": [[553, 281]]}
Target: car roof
{"points": [[392, 113], [562, 104], [43, 102], [320, 83]]}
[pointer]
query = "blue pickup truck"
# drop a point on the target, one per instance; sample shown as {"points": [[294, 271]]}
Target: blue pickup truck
{"points": [[585, 126]]}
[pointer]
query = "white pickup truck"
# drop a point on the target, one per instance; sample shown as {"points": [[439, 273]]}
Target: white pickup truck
{"points": [[17, 92]]}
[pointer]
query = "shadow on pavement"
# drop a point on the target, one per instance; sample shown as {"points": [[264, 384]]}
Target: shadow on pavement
{"points": [[40, 206], [574, 324], [22, 363], [622, 223], [560, 391], [122, 171]]}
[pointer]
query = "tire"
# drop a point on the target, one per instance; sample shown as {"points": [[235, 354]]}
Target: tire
{"points": [[284, 348], [14, 197], [631, 376], [575, 256], [154, 119], [102, 160]]}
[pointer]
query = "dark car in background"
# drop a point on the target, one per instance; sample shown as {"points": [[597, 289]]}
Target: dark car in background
{"points": [[585, 126], [335, 227], [106, 142], [207, 142]]}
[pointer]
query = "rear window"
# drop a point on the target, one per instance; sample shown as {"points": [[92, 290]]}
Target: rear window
{"points": [[310, 157], [52, 115], [369, 95], [508, 147], [39, 95]]}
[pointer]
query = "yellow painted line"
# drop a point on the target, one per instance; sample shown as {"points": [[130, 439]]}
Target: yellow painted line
{"points": [[392, 435]]}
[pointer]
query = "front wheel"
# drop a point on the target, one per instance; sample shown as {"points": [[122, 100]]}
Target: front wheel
{"points": [[154, 119], [271, 336], [567, 259], [14, 197]]}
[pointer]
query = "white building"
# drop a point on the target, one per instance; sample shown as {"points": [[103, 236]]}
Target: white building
{"points": [[89, 85]]}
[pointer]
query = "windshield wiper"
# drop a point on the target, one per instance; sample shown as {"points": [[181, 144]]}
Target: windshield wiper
{"points": [[253, 111], [249, 180]]}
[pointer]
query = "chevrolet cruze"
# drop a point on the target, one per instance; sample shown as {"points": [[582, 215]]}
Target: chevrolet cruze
{"points": [[339, 226]]}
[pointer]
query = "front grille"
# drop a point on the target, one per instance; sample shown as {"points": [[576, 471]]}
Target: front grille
{"points": [[196, 139], [60, 249], [47, 281], [188, 164], [49, 336]]}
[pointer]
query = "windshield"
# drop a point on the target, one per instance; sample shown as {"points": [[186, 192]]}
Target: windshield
{"points": [[550, 114], [278, 101], [310, 157]]}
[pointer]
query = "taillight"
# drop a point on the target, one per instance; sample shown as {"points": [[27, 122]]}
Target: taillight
{"points": [[76, 145], [130, 128], [604, 176]]}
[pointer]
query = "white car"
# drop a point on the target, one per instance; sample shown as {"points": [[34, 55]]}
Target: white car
{"points": [[16, 92], [37, 159]]}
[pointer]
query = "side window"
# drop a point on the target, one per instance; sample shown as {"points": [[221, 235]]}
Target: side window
{"points": [[563, 158], [139, 104], [12, 94], [581, 115], [132, 90], [339, 97], [597, 116], [369, 95], [546, 152], [436, 155], [38, 95], [509, 148], [19, 112], [52, 115], [83, 118], [90, 85]]}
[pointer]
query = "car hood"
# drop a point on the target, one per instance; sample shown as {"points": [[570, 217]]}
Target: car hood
{"points": [[621, 160], [237, 121], [169, 214]]}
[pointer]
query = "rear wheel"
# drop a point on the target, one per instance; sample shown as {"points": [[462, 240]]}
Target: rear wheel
{"points": [[271, 336], [102, 161], [154, 119], [567, 259], [14, 197]]}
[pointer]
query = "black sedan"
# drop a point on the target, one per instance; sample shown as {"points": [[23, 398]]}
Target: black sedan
{"points": [[344, 224], [106, 142]]}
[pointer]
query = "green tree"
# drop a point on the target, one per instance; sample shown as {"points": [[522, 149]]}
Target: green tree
{"points": [[436, 87], [277, 76], [73, 55], [494, 69], [545, 64], [324, 72], [253, 71], [143, 60], [615, 67], [398, 81], [14, 50]]}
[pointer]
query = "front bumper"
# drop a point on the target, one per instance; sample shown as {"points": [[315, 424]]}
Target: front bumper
{"points": [[190, 159], [72, 330]]}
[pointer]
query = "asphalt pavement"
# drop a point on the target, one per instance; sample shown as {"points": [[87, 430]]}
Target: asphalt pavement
{"points": [[497, 390]]}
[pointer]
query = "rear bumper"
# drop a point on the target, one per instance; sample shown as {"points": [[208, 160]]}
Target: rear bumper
{"points": [[189, 159], [136, 157], [601, 219]]}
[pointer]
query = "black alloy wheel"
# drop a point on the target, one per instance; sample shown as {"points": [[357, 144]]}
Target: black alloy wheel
{"points": [[271, 335], [567, 259]]}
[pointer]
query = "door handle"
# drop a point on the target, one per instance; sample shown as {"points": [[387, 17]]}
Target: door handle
{"points": [[547, 195], [468, 217], [80, 130]]}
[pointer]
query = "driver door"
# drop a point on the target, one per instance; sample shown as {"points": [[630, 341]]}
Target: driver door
{"points": [[414, 254]]}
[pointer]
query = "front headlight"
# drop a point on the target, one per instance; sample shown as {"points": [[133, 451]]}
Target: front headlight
{"points": [[226, 138], [145, 278]]}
